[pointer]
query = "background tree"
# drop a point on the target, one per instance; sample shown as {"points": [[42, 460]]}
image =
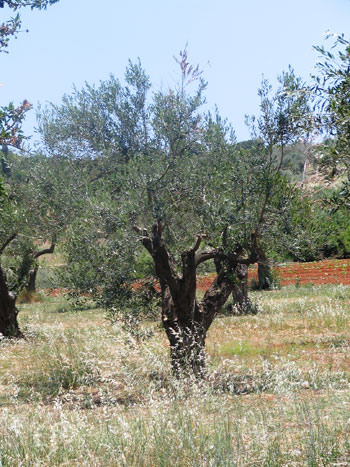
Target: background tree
{"points": [[331, 92], [11, 135], [285, 117], [50, 191], [8, 233]]}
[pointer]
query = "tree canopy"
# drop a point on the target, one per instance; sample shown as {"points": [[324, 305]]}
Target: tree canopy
{"points": [[166, 175], [14, 217], [331, 92]]}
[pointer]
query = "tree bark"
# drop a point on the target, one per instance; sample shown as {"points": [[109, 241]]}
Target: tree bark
{"points": [[186, 334], [186, 321], [8, 311], [182, 317], [242, 303], [31, 287]]}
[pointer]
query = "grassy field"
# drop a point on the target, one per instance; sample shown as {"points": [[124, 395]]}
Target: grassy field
{"points": [[79, 391]]}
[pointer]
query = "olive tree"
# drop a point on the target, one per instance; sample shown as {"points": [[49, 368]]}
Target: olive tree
{"points": [[285, 118], [11, 118], [330, 90], [8, 233], [171, 178]]}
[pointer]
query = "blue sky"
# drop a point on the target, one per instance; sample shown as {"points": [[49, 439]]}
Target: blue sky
{"points": [[235, 42]]}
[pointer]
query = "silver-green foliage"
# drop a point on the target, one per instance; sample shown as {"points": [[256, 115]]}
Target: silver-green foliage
{"points": [[161, 158]]}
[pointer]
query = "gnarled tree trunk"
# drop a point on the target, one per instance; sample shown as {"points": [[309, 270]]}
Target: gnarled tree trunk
{"points": [[186, 321], [8, 311], [186, 334], [183, 319], [186, 325]]}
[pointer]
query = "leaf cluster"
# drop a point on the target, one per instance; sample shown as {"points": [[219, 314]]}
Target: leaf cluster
{"points": [[160, 158], [12, 27], [331, 91]]}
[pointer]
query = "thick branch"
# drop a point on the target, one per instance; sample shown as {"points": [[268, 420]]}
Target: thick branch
{"points": [[140, 231], [251, 259], [197, 244], [147, 243], [144, 239], [162, 260], [216, 296], [7, 242], [205, 256], [46, 251]]}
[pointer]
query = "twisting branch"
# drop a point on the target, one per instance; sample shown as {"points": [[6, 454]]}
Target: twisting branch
{"points": [[144, 239], [198, 243], [205, 256], [7, 242], [162, 259], [46, 251], [189, 262], [140, 231]]}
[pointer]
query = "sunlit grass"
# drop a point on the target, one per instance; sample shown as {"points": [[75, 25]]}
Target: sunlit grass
{"points": [[81, 391]]}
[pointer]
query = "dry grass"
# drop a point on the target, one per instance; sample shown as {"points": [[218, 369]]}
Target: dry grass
{"points": [[80, 391]]}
